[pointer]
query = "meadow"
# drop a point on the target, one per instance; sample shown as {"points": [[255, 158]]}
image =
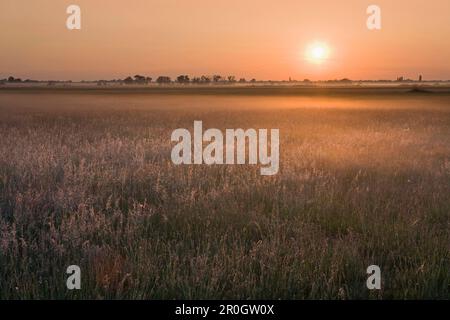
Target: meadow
{"points": [[86, 179]]}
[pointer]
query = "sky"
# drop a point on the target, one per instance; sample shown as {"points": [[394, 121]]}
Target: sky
{"points": [[259, 39]]}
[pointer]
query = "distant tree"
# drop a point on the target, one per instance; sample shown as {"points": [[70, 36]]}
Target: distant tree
{"points": [[12, 79], [205, 79], [217, 78], [253, 80], [140, 79], [345, 80], [242, 80], [128, 80], [183, 79], [163, 79], [231, 79]]}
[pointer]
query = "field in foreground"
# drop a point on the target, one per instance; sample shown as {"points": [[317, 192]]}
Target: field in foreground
{"points": [[86, 179]]}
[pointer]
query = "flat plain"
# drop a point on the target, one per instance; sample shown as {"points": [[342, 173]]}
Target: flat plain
{"points": [[86, 179]]}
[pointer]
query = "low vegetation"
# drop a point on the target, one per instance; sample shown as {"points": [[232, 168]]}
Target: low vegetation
{"points": [[86, 179]]}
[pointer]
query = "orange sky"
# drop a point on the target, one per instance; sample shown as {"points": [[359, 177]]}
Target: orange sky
{"points": [[247, 38]]}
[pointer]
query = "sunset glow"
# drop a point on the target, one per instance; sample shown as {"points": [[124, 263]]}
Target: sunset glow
{"points": [[317, 52], [252, 39]]}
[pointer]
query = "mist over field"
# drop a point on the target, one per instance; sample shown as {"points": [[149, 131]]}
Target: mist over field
{"points": [[86, 179]]}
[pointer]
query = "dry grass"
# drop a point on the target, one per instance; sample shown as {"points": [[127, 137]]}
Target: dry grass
{"points": [[87, 180]]}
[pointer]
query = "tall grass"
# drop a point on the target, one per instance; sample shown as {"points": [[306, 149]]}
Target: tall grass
{"points": [[87, 180]]}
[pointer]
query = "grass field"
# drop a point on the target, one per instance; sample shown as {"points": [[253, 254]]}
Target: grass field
{"points": [[86, 179]]}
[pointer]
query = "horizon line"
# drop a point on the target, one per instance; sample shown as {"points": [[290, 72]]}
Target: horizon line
{"points": [[139, 79]]}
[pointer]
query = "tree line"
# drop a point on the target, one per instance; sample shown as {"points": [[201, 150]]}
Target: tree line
{"points": [[139, 79], [183, 79]]}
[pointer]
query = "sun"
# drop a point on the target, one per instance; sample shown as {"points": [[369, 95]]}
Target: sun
{"points": [[317, 52]]}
